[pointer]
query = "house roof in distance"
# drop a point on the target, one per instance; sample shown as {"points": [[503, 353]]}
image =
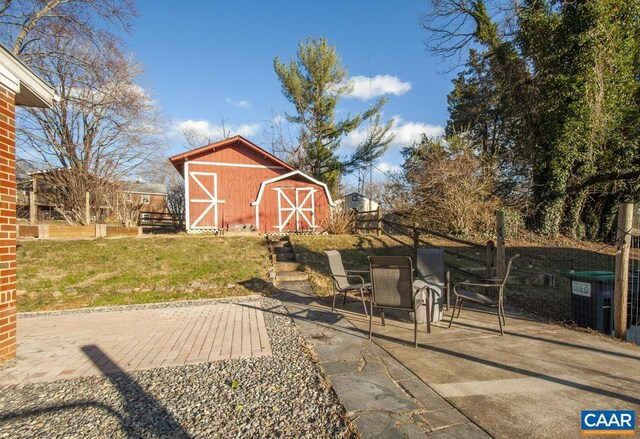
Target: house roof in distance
{"points": [[141, 187], [179, 159], [30, 90]]}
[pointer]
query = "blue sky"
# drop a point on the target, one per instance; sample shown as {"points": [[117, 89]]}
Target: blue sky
{"points": [[208, 60]]}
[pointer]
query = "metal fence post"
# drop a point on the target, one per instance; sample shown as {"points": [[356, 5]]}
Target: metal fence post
{"points": [[500, 251], [416, 243], [623, 247]]}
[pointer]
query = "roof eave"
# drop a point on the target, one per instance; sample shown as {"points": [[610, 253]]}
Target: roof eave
{"points": [[178, 159], [30, 90]]}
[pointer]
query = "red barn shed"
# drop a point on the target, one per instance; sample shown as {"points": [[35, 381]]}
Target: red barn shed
{"points": [[236, 183]]}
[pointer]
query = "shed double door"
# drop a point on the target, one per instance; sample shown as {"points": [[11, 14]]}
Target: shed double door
{"points": [[296, 209]]}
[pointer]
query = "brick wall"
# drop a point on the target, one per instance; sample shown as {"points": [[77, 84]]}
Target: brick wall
{"points": [[7, 225]]}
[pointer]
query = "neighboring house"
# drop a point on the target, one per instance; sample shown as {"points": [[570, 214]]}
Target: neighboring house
{"points": [[151, 197], [357, 201], [236, 184]]}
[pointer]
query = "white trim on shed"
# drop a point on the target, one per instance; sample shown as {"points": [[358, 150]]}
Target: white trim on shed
{"points": [[284, 177]]}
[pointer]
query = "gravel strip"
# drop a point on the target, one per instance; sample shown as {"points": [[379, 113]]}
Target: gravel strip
{"points": [[283, 395]]}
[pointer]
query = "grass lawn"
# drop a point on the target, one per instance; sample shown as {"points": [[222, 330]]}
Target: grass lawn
{"points": [[73, 274], [548, 256]]}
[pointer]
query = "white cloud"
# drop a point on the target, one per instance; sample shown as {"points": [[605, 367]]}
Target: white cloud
{"points": [[365, 87], [406, 133], [409, 132], [243, 103], [206, 130]]}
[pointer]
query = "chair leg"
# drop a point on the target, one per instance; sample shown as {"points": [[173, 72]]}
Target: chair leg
{"points": [[448, 292], [344, 299], [415, 329], [382, 316], [504, 319], [453, 312], [500, 320], [370, 318], [363, 303], [333, 305], [460, 308], [428, 312]]}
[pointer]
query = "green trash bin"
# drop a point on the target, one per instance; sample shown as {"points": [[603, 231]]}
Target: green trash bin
{"points": [[592, 299]]}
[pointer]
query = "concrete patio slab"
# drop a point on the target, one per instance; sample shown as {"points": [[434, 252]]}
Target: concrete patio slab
{"points": [[61, 345], [382, 397], [533, 382]]}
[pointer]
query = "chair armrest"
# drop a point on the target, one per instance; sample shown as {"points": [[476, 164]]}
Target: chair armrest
{"points": [[474, 284], [357, 271], [349, 276]]}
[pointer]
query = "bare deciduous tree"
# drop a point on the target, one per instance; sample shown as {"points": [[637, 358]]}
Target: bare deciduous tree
{"points": [[104, 126], [196, 137], [448, 188], [26, 25], [101, 130]]}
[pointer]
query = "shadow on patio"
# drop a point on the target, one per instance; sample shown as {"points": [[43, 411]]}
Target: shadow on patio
{"points": [[533, 382]]}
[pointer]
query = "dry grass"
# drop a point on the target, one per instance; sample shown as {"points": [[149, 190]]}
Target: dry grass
{"points": [[353, 248], [130, 270]]}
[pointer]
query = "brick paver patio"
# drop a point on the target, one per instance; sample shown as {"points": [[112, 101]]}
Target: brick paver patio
{"points": [[62, 346]]}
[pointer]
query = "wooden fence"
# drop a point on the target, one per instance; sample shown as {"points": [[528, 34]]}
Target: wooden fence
{"points": [[491, 255], [158, 222], [55, 231]]}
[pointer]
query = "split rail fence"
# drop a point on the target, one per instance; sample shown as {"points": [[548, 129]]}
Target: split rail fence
{"points": [[543, 272]]}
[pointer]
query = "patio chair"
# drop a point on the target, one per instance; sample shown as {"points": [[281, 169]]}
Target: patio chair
{"points": [[481, 299], [340, 278], [392, 287], [431, 269]]}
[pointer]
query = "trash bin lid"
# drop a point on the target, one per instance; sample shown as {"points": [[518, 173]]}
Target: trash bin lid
{"points": [[594, 275]]}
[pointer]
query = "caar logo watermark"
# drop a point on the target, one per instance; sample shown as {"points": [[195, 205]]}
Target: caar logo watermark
{"points": [[609, 422]]}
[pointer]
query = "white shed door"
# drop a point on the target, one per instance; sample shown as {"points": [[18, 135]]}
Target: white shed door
{"points": [[202, 200], [296, 209]]}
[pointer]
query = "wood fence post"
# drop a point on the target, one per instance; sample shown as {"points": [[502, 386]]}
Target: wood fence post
{"points": [[489, 260], [87, 212], [416, 243], [500, 244], [33, 209], [354, 212], [378, 222], [623, 244], [43, 231]]}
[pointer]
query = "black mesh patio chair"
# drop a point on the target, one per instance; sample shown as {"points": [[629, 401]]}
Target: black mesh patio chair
{"points": [[431, 269], [463, 295], [392, 287], [341, 279]]}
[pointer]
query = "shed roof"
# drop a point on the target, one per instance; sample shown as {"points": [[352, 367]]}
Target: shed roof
{"points": [[179, 159]]}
